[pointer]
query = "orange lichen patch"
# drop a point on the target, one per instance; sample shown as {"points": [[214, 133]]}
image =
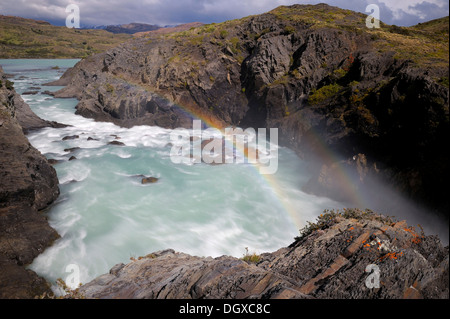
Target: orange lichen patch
{"points": [[417, 238], [351, 228], [392, 255]]}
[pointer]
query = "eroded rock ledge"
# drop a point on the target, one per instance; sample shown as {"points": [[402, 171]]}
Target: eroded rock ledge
{"points": [[328, 261]]}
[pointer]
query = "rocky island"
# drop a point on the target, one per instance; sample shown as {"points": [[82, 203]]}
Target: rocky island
{"points": [[378, 98]]}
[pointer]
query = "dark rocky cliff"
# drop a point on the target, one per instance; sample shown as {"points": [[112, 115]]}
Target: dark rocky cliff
{"points": [[315, 72], [28, 185]]}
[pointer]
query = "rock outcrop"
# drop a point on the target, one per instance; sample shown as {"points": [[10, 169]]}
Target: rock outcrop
{"points": [[331, 86], [28, 185], [26, 118], [340, 256]]}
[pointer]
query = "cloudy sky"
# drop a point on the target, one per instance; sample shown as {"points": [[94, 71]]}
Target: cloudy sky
{"points": [[171, 12]]}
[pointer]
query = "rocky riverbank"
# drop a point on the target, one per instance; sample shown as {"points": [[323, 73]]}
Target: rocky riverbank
{"points": [[333, 258], [28, 185]]}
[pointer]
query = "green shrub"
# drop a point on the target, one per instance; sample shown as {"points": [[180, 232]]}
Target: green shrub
{"points": [[339, 73], [251, 258], [324, 93], [443, 81], [9, 85], [328, 218], [223, 34], [288, 30], [235, 45], [109, 88]]}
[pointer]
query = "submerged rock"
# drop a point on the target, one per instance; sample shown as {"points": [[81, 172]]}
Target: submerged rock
{"points": [[72, 149], [334, 258], [72, 137], [48, 93], [116, 143], [149, 180]]}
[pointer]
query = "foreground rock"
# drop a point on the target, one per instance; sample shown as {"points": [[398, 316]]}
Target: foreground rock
{"points": [[28, 184], [329, 260]]}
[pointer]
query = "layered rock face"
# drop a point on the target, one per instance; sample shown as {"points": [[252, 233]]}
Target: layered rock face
{"points": [[28, 184], [315, 72], [350, 254]]}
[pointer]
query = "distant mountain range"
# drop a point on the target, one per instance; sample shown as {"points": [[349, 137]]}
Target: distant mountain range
{"points": [[129, 28], [139, 29]]}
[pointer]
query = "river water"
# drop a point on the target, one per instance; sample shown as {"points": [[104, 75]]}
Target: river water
{"points": [[105, 215]]}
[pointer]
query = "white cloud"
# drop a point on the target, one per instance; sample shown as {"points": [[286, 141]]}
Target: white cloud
{"points": [[401, 7]]}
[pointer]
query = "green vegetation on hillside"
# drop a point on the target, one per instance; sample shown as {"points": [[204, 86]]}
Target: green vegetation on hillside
{"points": [[425, 44], [26, 38]]}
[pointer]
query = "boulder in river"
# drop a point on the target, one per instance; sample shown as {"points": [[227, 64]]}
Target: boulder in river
{"points": [[116, 143], [71, 137], [149, 180], [72, 149]]}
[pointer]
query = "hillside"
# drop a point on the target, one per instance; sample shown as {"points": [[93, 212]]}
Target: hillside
{"points": [[27, 38]]}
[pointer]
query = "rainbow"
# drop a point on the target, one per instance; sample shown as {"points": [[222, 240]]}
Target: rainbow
{"points": [[208, 121]]}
